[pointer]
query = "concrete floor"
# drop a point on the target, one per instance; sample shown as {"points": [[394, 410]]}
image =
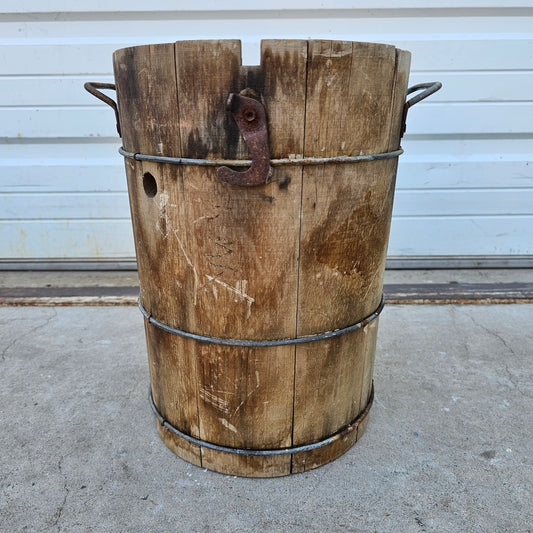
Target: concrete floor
{"points": [[448, 447]]}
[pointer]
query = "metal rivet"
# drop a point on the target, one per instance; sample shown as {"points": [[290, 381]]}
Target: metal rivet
{"points": [[249, 115]]}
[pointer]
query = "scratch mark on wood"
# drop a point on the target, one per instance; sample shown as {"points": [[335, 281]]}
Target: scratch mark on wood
{"points": [[370, 285], [204, 217], [238, 407], [226, 424], [249, 394], [218, 403], [238, 290], [190, 263], [163, 222]]}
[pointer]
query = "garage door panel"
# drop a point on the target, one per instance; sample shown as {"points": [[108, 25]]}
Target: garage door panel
{"points": [[425, 119], [66, 239], [461, 236], [64, 205], [464, 183]]}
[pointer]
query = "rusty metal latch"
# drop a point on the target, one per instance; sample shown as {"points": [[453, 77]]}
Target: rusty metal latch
{"points": [[250, 117]]}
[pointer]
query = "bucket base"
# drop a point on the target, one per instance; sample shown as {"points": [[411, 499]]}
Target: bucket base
{"points": [[261, 463]]}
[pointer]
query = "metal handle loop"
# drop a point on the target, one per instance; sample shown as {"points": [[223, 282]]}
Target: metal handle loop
{"points": [[430, 88], [93, 86]]}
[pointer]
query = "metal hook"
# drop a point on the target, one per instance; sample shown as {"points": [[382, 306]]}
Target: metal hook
{"points": [[250, 117]]}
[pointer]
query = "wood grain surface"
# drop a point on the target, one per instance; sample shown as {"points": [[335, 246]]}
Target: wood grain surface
{"points": [[300, 255], [346, 212]]}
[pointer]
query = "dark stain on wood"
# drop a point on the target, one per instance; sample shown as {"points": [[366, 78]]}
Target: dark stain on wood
{"points": [[228, 261], [285, 183], [355, 246]]}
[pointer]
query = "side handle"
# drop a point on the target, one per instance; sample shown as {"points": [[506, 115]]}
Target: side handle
{"points": [[427, 90], [93, 86]]}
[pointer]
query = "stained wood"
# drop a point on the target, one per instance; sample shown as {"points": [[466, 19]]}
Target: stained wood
{"points": [[301, 255], [389, 168], [348, 91], [343, 241], [146, 93], [244, 279], [146, 90], [347, 436]]}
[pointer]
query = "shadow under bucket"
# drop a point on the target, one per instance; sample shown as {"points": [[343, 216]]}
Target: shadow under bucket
{"points": [[261, 201]]}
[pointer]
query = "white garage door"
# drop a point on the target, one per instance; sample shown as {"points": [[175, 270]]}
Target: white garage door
{"points": [[465, 185]]}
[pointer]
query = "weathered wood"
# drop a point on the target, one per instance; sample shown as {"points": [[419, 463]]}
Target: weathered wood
{"points": [[146, 92], [394, 128], [343, 238], [145, 79], [342, 205], [300, 255], [245, 280]]}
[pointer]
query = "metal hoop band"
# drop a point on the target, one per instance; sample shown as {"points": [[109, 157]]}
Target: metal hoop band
{"points": [[273, 162], [279, 451], [264, 343]]}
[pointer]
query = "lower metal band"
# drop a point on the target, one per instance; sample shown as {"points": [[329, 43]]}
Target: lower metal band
{"points": [[273, 162], [264, 343], [278, 451]]}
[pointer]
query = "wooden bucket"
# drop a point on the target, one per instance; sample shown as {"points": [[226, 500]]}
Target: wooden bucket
{"points": [[261, 302]]}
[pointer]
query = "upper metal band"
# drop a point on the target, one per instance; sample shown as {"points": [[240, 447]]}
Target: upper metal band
{"points": [[264, 343], [273, 162]]}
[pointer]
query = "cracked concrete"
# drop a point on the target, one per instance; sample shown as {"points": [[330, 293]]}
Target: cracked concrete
{"points": [[59, 512], [448, 445]]}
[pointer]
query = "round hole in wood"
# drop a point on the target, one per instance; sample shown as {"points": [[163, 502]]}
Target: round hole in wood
{"points": [[150, 185]]}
